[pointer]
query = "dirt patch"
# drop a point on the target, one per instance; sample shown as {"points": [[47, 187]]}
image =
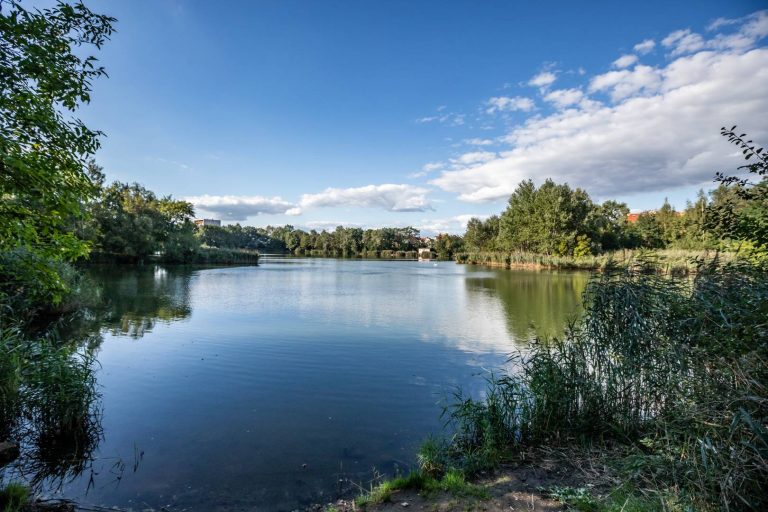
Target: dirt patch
{"points": [[513, 487]]}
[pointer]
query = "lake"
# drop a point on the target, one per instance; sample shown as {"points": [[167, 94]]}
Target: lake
{"points": [[279, 385]]}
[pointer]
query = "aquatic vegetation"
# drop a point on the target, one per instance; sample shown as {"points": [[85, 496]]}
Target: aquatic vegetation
{"points": [[669, 261], [674, 366], [49, 406], [14, 497]]}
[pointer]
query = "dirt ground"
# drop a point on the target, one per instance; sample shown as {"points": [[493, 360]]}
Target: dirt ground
{"points": [[514, 487]]}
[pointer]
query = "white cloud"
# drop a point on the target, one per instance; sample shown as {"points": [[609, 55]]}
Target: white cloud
{"points": [[625, 61], [449, 118], [475, 157], [390, 197], [241, 207], [749, 30], [659, 131], [432, 166], [427, 168], [507, 104], [642, 80], [564, 97], [644, 47], [543, 79], [683, 41], [454, 225], [479, 142]]}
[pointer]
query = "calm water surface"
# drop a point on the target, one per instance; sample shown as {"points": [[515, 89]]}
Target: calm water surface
{"points": [[262, 387]]}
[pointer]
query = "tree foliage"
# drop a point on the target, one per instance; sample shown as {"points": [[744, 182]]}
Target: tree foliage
{"points": [[44, 79]]}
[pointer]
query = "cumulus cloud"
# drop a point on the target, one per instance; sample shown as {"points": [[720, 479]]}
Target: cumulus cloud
{"points": [[658, 127], [625, 61], [683, 41], [543, 79], [239, 208], [390, 197], [455, 225], [644, 47], [475, 157], [564, 97], [507, 104], [432, 166], [626, 83]]}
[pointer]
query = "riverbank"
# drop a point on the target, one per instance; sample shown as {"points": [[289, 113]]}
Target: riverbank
{"points": [[667, 261]]}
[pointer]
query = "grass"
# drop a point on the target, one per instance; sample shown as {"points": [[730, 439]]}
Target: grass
{"points": [[675, 371], [453, 482], [14, 497], [624, 498]]}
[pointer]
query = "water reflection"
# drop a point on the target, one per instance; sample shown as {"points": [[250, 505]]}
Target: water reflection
{"points": [[535, 304], [139, 297], [51, 404]]}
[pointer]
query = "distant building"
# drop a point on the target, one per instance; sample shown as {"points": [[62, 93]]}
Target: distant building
{"points": [[425, 254], [207, 222], [634, 217]]}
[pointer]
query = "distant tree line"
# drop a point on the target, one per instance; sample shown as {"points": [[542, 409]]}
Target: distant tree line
{"points": [[555, 219]]}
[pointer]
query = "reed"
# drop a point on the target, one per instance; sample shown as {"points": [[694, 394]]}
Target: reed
{"points": [[673, 369], [668, 261]]}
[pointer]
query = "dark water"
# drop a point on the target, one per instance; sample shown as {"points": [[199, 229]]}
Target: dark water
{"points": [[262, 387]]}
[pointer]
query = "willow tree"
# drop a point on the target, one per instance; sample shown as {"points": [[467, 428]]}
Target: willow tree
{"points": [[45, 76]]}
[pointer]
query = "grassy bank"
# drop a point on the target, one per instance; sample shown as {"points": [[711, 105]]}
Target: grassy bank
{"points": [[670, 261], [663, 383]]}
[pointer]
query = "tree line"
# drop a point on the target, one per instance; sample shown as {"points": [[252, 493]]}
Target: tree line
{"points": [[555, 219]]}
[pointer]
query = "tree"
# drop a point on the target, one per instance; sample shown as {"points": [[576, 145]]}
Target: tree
{"points": [[43, 148], [481, 235], [446, 245], [546, 220], [740, 208]]}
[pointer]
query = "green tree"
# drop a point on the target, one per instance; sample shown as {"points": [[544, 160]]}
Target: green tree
{"points": [[43, 148], [546, 220], [481, 235], [740, 206], [446, 245]]}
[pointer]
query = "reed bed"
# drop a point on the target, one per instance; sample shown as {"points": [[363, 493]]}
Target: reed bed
{"points": [[49, 405], [673, 371], [669, 261]]}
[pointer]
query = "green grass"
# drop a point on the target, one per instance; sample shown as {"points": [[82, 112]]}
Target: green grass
{"points": [[621, 499], [453, 482], [14, 497]]}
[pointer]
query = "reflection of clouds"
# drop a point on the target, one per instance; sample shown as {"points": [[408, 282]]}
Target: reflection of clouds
{"points": [[432, 303]]}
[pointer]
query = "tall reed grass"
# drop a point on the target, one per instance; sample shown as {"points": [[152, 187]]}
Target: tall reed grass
{"points": [[670, 261], [673, 369]]}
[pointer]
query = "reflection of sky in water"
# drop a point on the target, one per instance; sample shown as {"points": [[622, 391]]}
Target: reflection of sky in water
{"points": [[331, 363]]}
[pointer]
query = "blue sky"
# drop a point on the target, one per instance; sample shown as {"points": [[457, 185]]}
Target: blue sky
{"points": [[317, 113]]}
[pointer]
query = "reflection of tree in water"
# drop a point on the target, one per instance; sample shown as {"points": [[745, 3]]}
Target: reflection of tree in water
{"points": [[49, 401], [536, 304], [138, 297]]}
